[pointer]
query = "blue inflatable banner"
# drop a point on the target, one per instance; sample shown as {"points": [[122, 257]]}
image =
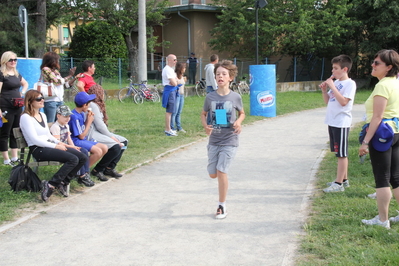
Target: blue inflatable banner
{"points": [[29, 69], [263, 90]]}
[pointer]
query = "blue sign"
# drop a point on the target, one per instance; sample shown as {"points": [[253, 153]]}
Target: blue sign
{"points": [[263, 90], [29, 69]]}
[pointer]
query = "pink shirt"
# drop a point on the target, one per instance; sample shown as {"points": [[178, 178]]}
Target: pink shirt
{"points": [[88, 81]]}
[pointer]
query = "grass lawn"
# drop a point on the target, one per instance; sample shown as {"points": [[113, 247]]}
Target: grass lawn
{"points": [[334, 233]]}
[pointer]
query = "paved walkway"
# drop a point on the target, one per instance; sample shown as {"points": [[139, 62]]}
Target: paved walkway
{"points": [[163, 213]]}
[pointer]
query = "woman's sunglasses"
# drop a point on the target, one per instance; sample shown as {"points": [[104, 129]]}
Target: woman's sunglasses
{"points": [[376, 62], [38, 99], [13, 60]]}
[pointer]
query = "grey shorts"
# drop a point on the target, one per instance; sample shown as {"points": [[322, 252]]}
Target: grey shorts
{"points": [[220, 158]]}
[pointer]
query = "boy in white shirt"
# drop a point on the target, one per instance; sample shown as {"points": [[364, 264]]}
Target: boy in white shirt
{"points": [[339, 100]]}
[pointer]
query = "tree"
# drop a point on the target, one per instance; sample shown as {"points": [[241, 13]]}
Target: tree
{"points": [[97, 40], [296, 27], [123, 15]]}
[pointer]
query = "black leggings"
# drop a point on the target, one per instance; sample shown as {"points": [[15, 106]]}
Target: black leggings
{"points": [[72, 160], [386, 165]]}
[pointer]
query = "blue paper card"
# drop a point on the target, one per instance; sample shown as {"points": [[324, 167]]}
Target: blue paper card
{"points": [[221, 116]]}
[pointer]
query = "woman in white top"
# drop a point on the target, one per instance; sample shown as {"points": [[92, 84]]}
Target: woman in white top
{"points": [[45, 147], [50, 73]]}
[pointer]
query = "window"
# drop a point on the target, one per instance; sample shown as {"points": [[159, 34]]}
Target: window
{"points": [[184, 2], [65, 35]]}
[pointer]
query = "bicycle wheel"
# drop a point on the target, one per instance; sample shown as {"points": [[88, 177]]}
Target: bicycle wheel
{"points": [[125, 95], [234, 87], [200, 90], [155, 97], [138, 99], [244, 88]]}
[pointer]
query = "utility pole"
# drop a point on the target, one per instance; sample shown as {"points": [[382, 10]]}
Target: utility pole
{"points": [[142, 49]]}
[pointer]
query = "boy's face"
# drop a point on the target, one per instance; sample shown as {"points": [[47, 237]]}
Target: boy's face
{"points": [[63, 120], [223, 77], [338, 72], [85, 107]]}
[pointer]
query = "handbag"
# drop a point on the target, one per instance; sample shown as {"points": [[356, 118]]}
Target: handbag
{"points": [[45, 88], [17, 102], [22, 177]]}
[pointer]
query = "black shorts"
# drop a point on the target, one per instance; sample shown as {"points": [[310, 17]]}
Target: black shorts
{"points": [[339, 140]]}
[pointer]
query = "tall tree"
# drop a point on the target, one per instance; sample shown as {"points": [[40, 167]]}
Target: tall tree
{"points": [[123, 15]]}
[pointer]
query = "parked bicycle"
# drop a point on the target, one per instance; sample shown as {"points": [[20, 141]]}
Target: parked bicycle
{"points": [[200, 87], [241, 87], [138, 93]]}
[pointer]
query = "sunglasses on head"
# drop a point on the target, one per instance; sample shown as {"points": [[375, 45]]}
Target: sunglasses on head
{"points": [[38, 99], [13, 60]]}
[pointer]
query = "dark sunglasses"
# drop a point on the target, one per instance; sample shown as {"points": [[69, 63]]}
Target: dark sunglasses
{"points": [[38, 99], [376, 62], [174, 59], [13, 60]]}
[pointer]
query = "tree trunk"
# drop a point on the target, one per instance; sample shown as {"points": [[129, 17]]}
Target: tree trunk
{"points": [[40, 49], [132, 55]]}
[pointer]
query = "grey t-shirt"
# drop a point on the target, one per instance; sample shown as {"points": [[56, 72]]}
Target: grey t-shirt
{"points": [[223, 110]]}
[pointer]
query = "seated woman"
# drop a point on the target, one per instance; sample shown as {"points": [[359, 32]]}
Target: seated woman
{"points": [[45, 147], [99, 129]]}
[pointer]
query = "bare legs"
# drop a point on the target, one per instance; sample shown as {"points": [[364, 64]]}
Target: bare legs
{"points": [[223, 183]]}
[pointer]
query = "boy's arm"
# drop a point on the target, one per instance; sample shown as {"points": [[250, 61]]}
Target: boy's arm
{"points": [[237, 123], [88, 122], [208, 128], [340, 98], [323, 87]]}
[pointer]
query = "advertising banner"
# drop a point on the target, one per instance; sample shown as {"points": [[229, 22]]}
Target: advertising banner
{"points": [[263, 90]]}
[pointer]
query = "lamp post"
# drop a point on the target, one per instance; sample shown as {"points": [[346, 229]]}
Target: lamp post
{"points": [[258, 4]]}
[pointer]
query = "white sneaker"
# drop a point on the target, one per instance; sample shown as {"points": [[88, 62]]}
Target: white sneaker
{"points": [[334, 188], [170, 133], [345, 183], [376, 221], [394, 219], [182, 130], [372, 196], [220, 213]]}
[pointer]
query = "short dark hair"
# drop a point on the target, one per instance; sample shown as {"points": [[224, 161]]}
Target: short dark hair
{"points": [[343, 61], [390, 58], [214, 57], [86, 64]]}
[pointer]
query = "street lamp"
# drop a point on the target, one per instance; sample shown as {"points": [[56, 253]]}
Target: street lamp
{"points": [[258, 4]]}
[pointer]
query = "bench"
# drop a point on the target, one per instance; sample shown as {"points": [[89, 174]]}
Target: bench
{"points": [[21, 144]]}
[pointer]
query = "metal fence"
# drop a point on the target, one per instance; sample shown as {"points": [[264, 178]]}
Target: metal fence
{"points": [[288, 69]]}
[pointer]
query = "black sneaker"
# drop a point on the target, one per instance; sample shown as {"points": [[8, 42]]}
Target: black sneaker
{"points": [[46, 190], [86, 180], [63, 189], [99, 175], [112, 173]]}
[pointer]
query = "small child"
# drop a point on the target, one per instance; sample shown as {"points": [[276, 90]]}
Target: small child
{"points": [[339, 100], [223, 105], [60, 130]]}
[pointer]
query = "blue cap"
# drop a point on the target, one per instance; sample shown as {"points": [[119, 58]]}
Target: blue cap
{"points": [[383, 137], [83, 97]]}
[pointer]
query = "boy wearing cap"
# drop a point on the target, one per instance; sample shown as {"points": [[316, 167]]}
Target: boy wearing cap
{"points": [[60, 130], [81, 120], [339, 99]]}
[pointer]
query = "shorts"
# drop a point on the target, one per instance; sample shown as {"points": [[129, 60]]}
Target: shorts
{"points": [[170, 107], [339, 140], [87, 144], [220, 158]]}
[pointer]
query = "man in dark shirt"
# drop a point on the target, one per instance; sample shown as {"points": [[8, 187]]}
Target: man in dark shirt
{"points": [[192, 63]]}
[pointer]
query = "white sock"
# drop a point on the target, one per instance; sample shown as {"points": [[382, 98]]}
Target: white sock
{"points": [[14, 159], [223, 205], [7, 161]]}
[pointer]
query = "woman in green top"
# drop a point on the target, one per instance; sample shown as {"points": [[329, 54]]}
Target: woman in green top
{"points": [[383, 103]]}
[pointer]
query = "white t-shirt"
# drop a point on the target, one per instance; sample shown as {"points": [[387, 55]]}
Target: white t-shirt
{"points": [[167, 73], [338, 115]]}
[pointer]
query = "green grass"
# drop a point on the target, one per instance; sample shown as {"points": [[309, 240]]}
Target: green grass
{"points": [[334, 232], [143, 125]]}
